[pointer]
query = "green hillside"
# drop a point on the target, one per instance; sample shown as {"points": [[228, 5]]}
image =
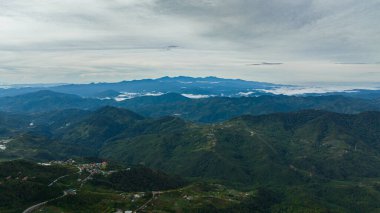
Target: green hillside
{"points": [[205, 110], [24, 184], [309, 143], [216, 109], [307, 161]]}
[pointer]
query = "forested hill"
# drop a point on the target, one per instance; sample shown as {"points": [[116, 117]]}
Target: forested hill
{"points": [[301, 155], [245, 149], [208, 110]]}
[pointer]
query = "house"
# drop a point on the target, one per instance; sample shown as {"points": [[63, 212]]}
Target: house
{"points": [[71, 192]]}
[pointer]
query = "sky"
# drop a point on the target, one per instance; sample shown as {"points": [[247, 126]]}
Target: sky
{"points": [[278, 41]]}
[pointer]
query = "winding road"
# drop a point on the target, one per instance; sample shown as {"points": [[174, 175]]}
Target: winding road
{"points": [[154, 193], [52, 183], [39, 205]]}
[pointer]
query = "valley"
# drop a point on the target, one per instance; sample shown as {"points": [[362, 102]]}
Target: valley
{"points": [[189, 106], [92, 190], [169, 153], [304, 161]]}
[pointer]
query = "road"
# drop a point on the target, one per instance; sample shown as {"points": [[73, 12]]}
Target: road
{"points": [[85, 180], [39, 205], [54, 181], [145, 204], [154, 193]]}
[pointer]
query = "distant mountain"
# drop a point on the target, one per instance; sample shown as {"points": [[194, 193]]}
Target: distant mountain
{"points": [[189, 87], [108, 94], [209, 86], [360, 93], [220, 109], [46, 100], [207, 110]]}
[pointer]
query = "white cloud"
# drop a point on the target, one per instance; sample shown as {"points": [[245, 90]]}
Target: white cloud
{"points": [[111, 40], [195, 96]]}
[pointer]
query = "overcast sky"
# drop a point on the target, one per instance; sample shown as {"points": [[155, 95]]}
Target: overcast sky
{"points": [[281, 41]]}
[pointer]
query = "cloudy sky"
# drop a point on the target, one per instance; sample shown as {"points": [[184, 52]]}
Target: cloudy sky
{"points": [[281, 41]]}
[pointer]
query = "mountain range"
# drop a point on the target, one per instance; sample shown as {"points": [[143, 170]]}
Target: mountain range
{"points": [[190, 87], [206, 110], [303, 151], [222, 108], [264, 153], [208, 86], [310, 141]]}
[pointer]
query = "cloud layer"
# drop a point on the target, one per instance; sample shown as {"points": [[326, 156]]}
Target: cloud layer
{"points": [[111, 40]]}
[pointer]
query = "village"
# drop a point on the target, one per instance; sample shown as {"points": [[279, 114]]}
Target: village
{"points": [[92, 168], [86, 172]]}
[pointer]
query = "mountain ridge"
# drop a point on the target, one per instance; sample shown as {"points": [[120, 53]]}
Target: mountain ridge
{"points": [[310, 156], [180, 84], [134, 139], [205, 110]]}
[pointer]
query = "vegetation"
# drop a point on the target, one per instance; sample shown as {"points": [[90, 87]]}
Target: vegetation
{"points": [[138, 179], [207, 110], [307, 161], [24, 183]]}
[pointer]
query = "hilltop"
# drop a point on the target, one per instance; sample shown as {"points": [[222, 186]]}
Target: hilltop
{"points": [[205, 110]]}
